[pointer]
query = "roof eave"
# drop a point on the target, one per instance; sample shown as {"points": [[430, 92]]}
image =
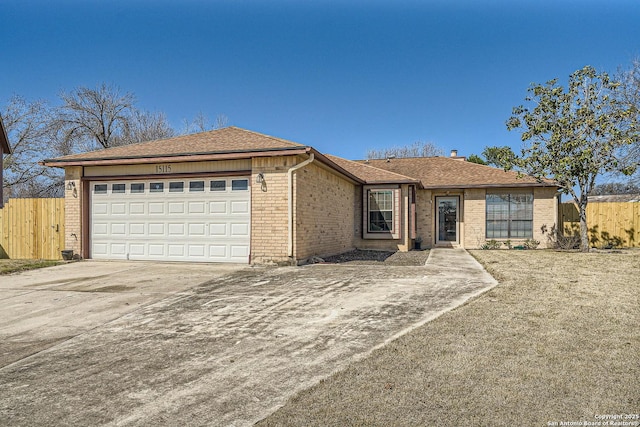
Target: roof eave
{"points": [[175, 158], [494, 185], [387, 181], [325, 160]]}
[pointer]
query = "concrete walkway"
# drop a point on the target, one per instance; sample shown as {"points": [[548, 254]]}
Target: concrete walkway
{"points": [[232, 350]]}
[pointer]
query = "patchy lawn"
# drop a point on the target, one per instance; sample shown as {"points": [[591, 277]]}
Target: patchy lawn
{"points": [[557, 341], [8, 266]]}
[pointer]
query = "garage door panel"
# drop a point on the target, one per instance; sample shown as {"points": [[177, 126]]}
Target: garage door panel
{"points": [[207, 225], [137, 229], [136, 208], [196, 207], [239, 207], [118, 248], [238, 251], [197, 229], [218, 229], [218, 207], [218, 251], [118, 209], [118, 228], [156, 208], [100, 208], [176, 250], [176, 208], [137, 249], [157, 250], [156, 229], [100, 229], [197, 250], [241, 229], [176, 229], [100, 249]]}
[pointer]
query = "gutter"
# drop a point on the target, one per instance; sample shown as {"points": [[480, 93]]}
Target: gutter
{"points": [[290, 199], [61, 162]]}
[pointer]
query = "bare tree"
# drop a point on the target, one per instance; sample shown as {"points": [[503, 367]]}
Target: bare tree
{"points": [[221, 121], [629, 79], [615, 188], [144, 126], [95, 118], [201, 123], [88, 119], [417, 149], [28, 126]]}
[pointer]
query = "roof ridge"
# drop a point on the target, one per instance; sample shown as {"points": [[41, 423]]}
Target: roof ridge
{"points": [[265, 135]]}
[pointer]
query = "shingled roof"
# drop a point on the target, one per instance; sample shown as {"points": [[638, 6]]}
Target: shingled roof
{"points": [[232, 142], [447, 172], [229, 140], [369, 174]]}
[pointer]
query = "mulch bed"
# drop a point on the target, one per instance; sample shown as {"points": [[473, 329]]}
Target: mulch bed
{"points": [[366, 257]]}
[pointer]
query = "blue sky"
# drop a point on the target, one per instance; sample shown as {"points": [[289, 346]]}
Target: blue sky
{"points": [[342, 76]]}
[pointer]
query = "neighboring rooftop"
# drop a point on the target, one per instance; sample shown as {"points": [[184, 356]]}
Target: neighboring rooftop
{"points": [[454, 172], [622, 198]]}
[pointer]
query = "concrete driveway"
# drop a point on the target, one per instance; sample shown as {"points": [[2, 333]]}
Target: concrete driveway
{"points": [[178, 344]]}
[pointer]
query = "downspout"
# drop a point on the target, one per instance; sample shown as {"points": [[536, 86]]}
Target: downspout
{"points": [[290, 177]]}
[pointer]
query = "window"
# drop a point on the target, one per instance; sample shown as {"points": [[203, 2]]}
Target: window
{"points": [[176, 187], [156, 187], [196, 186], [218, 185], [509, 216], [239, 185], [380, 211], [137, 188], [117, 188], [100, 189]]}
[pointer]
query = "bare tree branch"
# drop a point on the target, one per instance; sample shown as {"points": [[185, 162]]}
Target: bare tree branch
{"points": [[417, 149]]}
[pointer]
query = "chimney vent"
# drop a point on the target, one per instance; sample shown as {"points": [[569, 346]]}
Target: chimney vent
{"points": [[454, 153]]}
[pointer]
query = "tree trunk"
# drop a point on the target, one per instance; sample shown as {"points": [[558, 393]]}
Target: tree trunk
{"points": [[584, 231]]}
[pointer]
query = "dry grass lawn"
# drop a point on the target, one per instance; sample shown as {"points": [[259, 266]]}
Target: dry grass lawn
{"points": [[8, 266], [557, 341]]}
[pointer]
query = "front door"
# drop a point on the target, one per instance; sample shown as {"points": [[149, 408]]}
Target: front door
{"points": [[447, 222]]}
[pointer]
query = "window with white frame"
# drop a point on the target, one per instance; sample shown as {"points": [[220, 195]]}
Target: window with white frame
{"points": [[380, 211], [509, 215]]}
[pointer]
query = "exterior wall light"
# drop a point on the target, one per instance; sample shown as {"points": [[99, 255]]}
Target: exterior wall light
{"points": [[260, 178]]}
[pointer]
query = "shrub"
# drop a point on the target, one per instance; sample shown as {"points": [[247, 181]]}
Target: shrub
{"points": [[491, 244], [570, 239]]}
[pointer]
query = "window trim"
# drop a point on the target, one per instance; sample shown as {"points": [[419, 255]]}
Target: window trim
{"points": [[397, 221], [390, 221], [510, 216]]}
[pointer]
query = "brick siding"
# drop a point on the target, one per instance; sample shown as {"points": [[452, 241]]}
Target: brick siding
{"points": [[323, 214], [269, 209], [73, 209]]}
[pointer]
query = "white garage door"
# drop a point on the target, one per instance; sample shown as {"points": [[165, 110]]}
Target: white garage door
{"points": [[206, 220]]}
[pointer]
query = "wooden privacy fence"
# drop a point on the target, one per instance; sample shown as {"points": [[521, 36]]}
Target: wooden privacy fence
{"points": [[609, 223], [32, 229]]}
